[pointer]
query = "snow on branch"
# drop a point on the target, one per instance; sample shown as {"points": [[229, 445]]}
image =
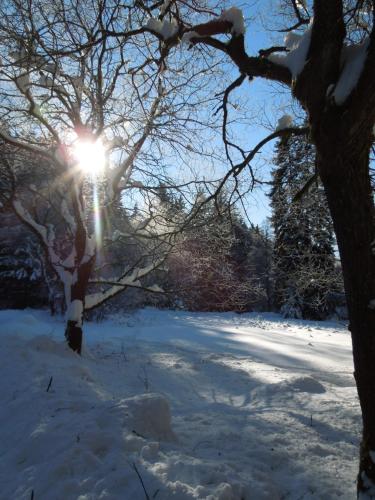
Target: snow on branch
{"points": [[25, 145], [230, 20], [46, 234], [299, 46], [353, 61], [235, 17], [284, 122], [68, 217], [25, 215], [132, 280], [166, 29]]}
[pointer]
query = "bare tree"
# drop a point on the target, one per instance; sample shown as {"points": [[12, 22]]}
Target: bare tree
{"points": [[88, 99]]}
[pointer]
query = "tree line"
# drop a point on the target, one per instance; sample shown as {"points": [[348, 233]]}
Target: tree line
{"points": [[217, 261]]}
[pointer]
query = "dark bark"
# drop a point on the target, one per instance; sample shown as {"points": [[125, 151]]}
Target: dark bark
{"points": [[73, 335], [343, 164]]}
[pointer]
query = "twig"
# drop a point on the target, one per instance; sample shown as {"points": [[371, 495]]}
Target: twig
{"points": [[49, 384], [137, 434], [123, 354], [144, 379], [141, 480]]}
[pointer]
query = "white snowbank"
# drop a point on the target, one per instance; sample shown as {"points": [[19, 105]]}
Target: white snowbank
{"points": [[261, 408], [149, 416]]}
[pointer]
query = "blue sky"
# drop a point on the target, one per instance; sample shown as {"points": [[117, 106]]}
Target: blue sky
{"points": [[265, 98]]}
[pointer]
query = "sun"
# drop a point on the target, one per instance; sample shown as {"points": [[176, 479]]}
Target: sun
{"points": [[90, 156]]}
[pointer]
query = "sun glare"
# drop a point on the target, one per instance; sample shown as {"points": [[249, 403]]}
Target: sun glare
{"points": [[90, 156]]}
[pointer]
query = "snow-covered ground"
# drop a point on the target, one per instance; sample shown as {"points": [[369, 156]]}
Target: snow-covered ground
{"points": [[170, 405]]}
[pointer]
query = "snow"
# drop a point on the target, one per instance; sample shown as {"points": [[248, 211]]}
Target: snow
{"points": [[25, 215], [165, 28], [354, 58], [149, 415], [201, 406], [68, 217], [154, 24], [295, 59], [23, 81], [155, 288], [169, 29], [18, 56], [90, 249], [234, 16], [370, 488], [132, 279], [70, 260], [46, 81], [187, 37], [285, 121], [165, 6], [75, 312], [292, 40]]}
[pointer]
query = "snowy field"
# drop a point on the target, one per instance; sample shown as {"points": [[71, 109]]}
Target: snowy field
{"points": [[171, 405]]}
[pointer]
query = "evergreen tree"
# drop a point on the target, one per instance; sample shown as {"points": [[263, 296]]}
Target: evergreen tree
{"points": [[304, 261]]}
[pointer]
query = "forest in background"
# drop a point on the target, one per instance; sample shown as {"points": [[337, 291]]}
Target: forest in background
{"points": [[218, 261]]}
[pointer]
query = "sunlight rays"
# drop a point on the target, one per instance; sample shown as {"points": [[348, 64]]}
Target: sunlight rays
{"points": [[90, 156]]}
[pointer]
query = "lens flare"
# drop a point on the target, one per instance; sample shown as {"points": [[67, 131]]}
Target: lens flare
{"points": [[90, 156]]}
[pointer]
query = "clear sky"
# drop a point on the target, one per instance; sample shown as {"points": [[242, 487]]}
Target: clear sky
{"points": [[268, 101]]}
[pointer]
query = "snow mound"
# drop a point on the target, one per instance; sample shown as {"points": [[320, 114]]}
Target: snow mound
{"points": [[149, 416], [296, 384], [29, 319], [306, 384], [44, 343]]}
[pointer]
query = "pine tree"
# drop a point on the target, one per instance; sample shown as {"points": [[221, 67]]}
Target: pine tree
{"points": [[304, 261]]}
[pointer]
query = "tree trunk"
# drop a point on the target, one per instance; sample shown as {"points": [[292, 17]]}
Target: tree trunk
{"points": [[73, 335], [345, 175], [73, 331]]}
